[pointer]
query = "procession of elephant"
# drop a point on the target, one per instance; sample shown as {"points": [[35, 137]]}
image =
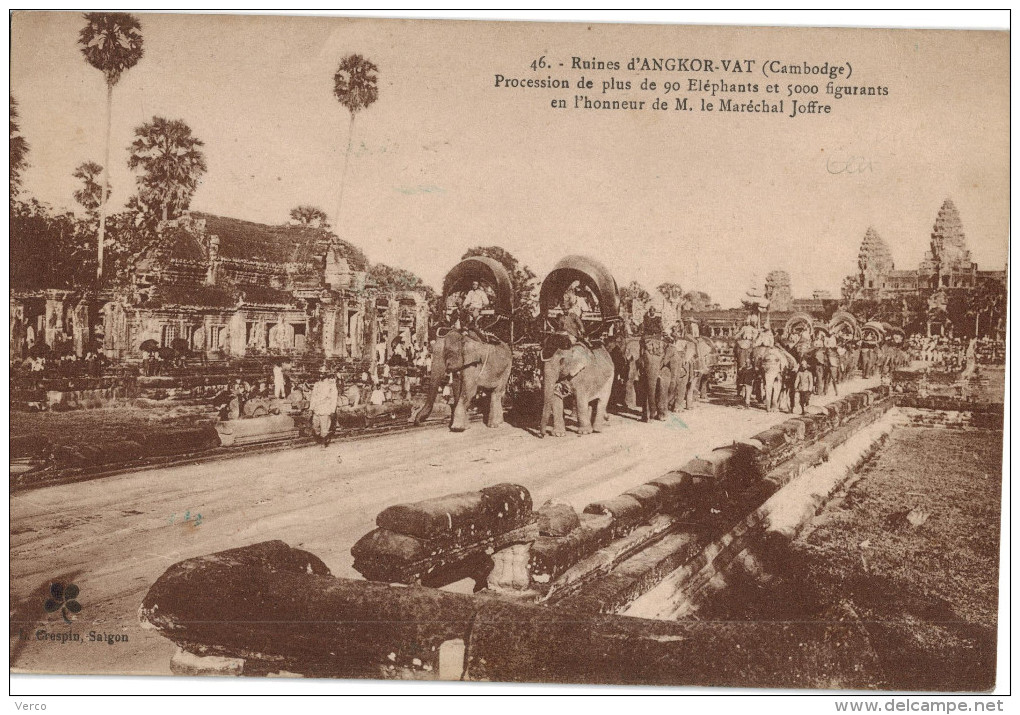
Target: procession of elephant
{"points": [[593, 360]]}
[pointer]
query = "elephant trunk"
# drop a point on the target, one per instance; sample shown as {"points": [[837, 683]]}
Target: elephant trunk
{"points": [[436, 378], [550, 377]]}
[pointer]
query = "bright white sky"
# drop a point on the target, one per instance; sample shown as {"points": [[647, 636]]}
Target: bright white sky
{"points": [[445, 161]]}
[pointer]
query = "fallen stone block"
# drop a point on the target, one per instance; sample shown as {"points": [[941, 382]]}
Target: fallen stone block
{"points": [[626, 512], [257, 430], [557, 519], [649, 496], [550, 556], [460, 516]]}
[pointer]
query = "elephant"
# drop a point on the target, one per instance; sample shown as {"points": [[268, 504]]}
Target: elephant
{"points": [[589, 373], [626, 353], [644, 378], [773, 367], [692, 369], [474, 365], [868, 360], [655, 367], [848, 362]]}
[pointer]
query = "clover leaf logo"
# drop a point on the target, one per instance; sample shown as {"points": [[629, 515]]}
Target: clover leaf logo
{"points": [[63, 598]]}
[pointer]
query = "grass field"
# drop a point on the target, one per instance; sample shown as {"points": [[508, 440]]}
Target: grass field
{"points": [[908, 557]]}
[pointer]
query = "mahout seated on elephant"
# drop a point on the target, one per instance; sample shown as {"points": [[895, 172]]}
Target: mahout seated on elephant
{"points": [[583, 373]]}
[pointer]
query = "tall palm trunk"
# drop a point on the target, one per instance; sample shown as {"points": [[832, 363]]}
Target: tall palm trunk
{"points": [[105, 182], [343, 175]]}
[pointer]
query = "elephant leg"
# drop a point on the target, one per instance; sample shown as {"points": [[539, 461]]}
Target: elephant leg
{"points": [[463, 393], [691, 390], [648, 396], [771, 393], [496, 402], [496, 407], [819, 379], [662, 395], [583, 410], [559, 426], [602, 401]]}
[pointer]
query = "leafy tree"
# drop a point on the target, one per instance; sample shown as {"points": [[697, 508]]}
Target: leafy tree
{"points": [[355, 86], [851, 290], [169, 164], [309, 216], [388, 278], [19, 151], [89, 194], [697, 300], [672, 292], [523, 284], [47, 249], [634, 292], [988, 306], [112, 43]]}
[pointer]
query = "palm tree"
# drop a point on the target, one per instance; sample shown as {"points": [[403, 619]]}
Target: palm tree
{"points": [[355, 85], [88, 195], [19, 150], [170, 165], [309, 216], [111, 42]]}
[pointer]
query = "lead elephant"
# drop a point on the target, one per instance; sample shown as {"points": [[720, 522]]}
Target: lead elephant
{"points": [[656, 377], [475, 365], [586, 373], [692, 366], [868, 360], [773, 367], [626, 352]]}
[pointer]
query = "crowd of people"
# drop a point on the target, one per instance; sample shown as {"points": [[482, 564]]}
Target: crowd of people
{"points": [[51, 365], [949, 354]]}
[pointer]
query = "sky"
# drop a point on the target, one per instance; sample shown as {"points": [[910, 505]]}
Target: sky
{"points": [[444, 160]]}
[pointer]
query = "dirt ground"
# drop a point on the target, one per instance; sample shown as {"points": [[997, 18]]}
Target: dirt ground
{"points": [[113, 537], [908, 554]]}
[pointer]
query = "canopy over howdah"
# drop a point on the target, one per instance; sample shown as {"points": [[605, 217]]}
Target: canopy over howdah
{"points": [[487, 271], [796, 323], [845, 324], [873, 332], [590, 275]]}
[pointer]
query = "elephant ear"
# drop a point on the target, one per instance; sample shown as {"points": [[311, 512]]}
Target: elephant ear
{"points": [[575, 361], [554, 343]]}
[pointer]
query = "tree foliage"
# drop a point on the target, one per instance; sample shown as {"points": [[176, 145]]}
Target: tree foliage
{"points": [[697, 300], [634, 292], [169, 164], [850, 290], [307, 215], [356, 87], [356, 83], [388, 278], [111, 42], [88, 196], [19, 150], [672, 292], [48, 249]]}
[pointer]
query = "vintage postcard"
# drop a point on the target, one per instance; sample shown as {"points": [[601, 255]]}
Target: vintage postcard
{"points": [[578, 353]]}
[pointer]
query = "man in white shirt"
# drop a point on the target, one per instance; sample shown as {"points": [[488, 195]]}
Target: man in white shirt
{"points": [[476, 300], [278, 381], [323, 403]]}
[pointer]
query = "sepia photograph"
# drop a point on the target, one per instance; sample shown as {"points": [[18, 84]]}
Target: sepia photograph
{"points": [[662, 356]]}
